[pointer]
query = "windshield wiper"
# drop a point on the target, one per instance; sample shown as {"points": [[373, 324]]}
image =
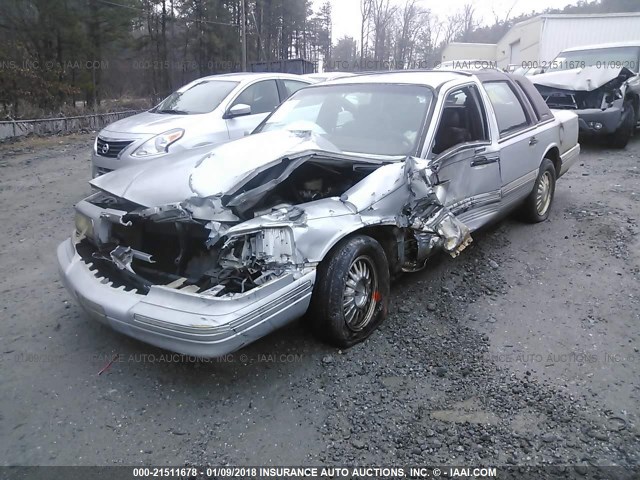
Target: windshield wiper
{"points": [[175, 112]]}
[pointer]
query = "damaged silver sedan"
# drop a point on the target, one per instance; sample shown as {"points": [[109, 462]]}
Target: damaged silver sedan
{"points": [[347, 184]]}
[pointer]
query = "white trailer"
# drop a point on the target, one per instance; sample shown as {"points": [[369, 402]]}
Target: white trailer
{"points": [[539, 39]]}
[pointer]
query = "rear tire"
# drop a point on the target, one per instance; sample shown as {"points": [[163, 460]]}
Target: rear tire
{"points": [[621, 136], [537, 205], [351, 294]]}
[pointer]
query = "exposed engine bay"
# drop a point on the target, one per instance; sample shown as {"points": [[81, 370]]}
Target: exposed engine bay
{"points": [[308, 182]]}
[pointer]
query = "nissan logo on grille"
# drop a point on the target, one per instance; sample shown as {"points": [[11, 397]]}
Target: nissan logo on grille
{"points": [[112, 148]]}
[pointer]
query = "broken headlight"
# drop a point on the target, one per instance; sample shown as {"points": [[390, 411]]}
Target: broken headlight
{"points": [[84, 225], [268, 246], [611, 97]]}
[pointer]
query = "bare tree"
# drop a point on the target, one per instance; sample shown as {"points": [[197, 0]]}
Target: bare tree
{"points": [[468, 21], [383, 13], [424, 39], [412, 22], [436, 29], [366, 7], [460, 25], [503, 20], [407, 19], [452, 28]]}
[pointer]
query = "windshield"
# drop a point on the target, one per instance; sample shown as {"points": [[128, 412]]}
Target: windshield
{"points": [[374, 119], [614, 57], [201, 97]]}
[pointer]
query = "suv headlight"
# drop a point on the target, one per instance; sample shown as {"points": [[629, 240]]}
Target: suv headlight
{"points": [[159, 144]]}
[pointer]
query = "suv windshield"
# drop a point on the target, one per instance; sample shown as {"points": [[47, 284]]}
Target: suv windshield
{"points": [[613, 57], [201, 97], [376, 119]]}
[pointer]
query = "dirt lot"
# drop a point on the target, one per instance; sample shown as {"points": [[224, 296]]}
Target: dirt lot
{"points": [[524, 350]]}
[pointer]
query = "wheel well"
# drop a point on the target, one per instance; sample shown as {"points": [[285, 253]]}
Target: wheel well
{"points": [[553, 154], [636, 104], [387, 236]]}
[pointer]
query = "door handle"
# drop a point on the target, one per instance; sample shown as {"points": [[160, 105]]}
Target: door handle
{"points": [[479, 161], [533, 141]]}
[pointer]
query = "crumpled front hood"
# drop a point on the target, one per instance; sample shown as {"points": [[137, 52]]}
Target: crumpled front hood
{"points": [[205, 171], [147, 123], [584, 79], [154, 182], [230, 164]]}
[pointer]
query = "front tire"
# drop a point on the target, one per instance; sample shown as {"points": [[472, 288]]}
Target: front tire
{"points": [[621, 136], [351, 294], [537, 205]]}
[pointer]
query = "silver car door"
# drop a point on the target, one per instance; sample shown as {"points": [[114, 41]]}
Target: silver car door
{"points": [[469, 165], [519, 156], [262, 97], [471, 177]]}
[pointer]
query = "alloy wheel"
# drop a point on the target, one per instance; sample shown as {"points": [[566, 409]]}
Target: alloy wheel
{"points": [[360, 295]]}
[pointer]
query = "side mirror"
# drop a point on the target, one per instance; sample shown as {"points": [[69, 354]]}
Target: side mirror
{"points": [[238, 110]]}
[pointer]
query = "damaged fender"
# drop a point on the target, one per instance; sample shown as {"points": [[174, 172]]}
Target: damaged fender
{"points": [[426, 212]]}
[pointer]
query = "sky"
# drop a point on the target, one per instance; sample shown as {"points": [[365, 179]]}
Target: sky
{"points": [[346, 13]]}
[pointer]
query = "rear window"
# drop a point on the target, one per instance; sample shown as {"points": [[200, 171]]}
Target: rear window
{"points": [[201, 97], [508, 109], [540, 108]]}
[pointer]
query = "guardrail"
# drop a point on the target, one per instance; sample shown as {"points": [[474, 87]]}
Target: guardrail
{"points": [[50, 126]]}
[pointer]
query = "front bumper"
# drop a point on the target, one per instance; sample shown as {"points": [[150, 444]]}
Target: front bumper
{"points": [[186, 323], [608, 119]]}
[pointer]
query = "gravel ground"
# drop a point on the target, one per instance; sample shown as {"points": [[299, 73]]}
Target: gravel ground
{"points": [[522, 351]]}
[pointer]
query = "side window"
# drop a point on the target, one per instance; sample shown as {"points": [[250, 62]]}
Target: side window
{"points": [[509, 112], [262, 97], [463, 120], [540, 108], [292, 86]]}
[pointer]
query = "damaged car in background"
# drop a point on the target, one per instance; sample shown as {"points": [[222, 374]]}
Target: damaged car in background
{"points": [[346, 185], [601, 85]]}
